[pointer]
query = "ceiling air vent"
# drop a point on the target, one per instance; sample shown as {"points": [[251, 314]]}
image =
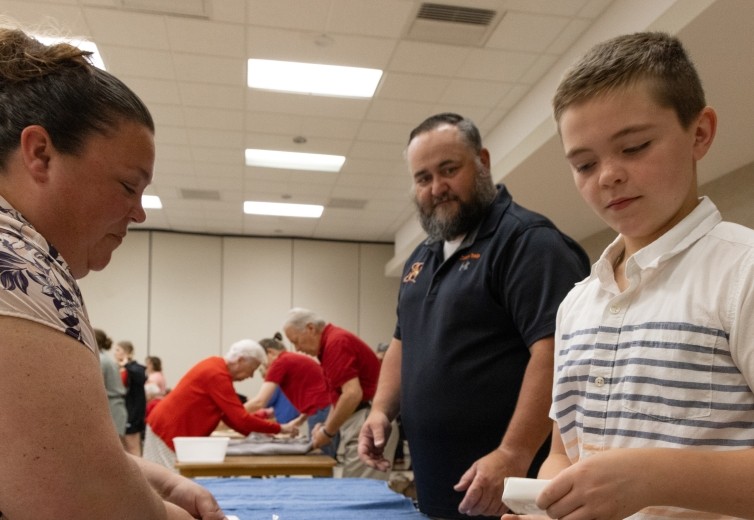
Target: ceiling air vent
{"points": [[453, 24], [189, 194], [455, 14]]}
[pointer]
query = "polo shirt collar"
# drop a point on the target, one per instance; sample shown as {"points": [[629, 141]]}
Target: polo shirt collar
{"points": [[702, 219], [323, 339]]}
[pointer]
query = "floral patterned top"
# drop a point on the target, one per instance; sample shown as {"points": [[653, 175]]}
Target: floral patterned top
{"points": [[35, 282]]}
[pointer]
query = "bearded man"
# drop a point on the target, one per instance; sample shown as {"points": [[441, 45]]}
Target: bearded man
{"points": [[470, 364]]}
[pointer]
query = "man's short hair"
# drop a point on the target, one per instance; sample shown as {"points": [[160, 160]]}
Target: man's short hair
{"points": [[466, 128], [653, 57], [298, 318]]}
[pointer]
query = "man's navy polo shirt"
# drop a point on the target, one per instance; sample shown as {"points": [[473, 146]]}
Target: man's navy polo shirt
{"points": [[465, 326]]}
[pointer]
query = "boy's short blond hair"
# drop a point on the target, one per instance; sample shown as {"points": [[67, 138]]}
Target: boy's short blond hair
{"points": [[655, 57]]}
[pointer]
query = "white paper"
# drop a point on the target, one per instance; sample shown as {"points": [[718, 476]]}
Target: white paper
{"points": [[519, 495]]}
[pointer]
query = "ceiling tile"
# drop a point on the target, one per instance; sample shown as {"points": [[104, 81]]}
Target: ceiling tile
{"points": [[134, 61], [494, 65], [475, 93], [213, 118], [206, 37], [561, 7], [209, 69], [412, 87], [206, 95], [117, 27], [369, 17], [422, 58], [340, 49], [287, 14], [516, 30]]}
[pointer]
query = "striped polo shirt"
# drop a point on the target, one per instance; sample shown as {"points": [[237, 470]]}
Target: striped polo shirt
{"points": [[669, 362]]}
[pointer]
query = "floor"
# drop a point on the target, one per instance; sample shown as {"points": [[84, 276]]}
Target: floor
{"points": [[401, 479]]}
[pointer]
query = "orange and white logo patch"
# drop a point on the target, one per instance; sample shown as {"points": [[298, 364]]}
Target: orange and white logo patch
{"points": [[467, 259], [416, 268]]}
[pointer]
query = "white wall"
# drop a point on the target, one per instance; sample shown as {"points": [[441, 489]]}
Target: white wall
{"points": [[117, 298], [185, 297]]}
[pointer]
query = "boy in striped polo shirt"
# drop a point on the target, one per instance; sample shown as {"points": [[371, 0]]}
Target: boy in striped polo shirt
{"points": [[652, 397]]}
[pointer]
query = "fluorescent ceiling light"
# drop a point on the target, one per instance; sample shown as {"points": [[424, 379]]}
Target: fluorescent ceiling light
{"points": [[280, 209], [95, 58], [294, 160], [151, 202], [311, 78]]}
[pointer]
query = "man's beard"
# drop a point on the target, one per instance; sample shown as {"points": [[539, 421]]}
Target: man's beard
{"points": [[467, 217]]}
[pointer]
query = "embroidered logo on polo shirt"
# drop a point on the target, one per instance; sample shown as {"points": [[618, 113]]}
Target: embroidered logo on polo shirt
{"points": [[416, 268], [467, 259]]}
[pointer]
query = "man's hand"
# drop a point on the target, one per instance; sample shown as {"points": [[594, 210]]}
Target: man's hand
{"points": [[483, 483], [372, 438], [319, 437]]}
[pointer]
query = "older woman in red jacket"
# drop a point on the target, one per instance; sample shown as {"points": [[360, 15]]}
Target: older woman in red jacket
{"points": [[204, 397]]}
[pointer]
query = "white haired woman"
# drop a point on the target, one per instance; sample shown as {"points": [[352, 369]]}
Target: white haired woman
{"points": [[203, 397]]}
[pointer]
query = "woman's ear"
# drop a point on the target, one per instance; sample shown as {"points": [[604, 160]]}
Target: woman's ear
{"points": [[36, 151], [705, 128]]}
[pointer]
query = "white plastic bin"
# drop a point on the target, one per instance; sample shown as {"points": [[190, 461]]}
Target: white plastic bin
{"points": [[200, 449]]}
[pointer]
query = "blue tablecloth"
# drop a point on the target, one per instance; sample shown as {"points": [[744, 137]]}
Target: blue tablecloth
{"points": [[310, 499]]}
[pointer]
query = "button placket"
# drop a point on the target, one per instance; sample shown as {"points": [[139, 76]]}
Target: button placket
{"points": [[601, 370]]}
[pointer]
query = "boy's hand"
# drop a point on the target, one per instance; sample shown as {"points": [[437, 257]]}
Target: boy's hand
{"points": [[611, 485]]}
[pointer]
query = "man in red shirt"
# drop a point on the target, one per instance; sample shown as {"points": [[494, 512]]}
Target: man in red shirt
{"points": [[301, 379], [203, 397], [351, 370]]}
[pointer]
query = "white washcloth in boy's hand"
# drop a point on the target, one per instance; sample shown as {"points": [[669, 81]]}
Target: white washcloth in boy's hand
{"points": [[519, 495]]}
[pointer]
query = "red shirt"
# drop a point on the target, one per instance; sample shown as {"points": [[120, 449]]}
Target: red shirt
{"points": [[343, 356], [301, 380], [201, 399]]}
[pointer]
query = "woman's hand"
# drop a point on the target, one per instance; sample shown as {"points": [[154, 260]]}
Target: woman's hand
{"points": [[290, 428]]}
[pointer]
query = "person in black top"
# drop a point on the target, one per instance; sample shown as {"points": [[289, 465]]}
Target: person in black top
{"points": [[134, 377], [470, 364]]}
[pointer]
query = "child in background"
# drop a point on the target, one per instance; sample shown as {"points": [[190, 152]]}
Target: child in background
{"points": [[155, 375]]}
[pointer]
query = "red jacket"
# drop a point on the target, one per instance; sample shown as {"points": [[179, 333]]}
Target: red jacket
{"points": [[201, 399]]}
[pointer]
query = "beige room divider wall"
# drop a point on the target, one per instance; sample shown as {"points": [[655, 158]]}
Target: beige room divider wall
{"points": [[184, 297]]}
